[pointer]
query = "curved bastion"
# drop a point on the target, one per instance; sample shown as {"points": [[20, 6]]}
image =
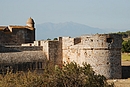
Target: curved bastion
{"points": [[101, 51]]}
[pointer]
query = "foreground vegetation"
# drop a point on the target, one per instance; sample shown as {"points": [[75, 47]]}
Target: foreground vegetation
{"points": [[70, 75]]}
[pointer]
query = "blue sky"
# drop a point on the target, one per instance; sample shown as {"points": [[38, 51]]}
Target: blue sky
{"points": [[104, 14]]}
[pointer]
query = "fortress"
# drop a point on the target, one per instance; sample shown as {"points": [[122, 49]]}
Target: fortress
{"points": [[20, 51], [16, 35]]}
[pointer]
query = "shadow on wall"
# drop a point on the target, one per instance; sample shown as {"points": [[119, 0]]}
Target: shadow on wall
{"points": [[7, 49], [4, 49], [38, 65], [125, 72]]}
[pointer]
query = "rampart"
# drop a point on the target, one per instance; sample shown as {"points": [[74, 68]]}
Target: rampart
{"points": [[101, 51], [24, 60]]}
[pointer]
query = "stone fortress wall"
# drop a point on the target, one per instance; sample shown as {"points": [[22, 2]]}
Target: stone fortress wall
{"points": [[101, 51], [21, 58], [29, 56], [16, 34]]}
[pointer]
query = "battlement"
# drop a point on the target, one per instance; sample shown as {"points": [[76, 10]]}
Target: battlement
{"points": [[102, 41]]}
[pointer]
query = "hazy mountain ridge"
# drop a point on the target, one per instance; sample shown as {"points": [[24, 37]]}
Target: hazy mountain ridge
{"points": [[52, 30]]}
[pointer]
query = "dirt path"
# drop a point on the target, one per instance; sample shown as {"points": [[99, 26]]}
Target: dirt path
{"points": [[125, 63]]}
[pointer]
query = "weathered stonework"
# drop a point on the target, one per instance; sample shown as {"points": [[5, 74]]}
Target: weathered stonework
{"points": [[101, 51], [17, 35], [20, 57], [22, 61], [19, 48]]}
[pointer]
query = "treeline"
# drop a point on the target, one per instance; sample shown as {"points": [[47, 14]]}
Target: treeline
{"points": [[125, 43], [124, 34], [71, 75]]}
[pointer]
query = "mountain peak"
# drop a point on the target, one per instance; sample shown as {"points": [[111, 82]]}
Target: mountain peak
{"points": [[52, 30]]}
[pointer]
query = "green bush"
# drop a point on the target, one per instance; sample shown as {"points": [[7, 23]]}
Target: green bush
{"points": [[126, 46], [71, 75]]}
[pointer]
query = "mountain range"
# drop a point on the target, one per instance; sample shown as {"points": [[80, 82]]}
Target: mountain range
{"points": [[53, 30]]}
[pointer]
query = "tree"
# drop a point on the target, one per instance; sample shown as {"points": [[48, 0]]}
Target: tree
{"points": [[48, 39], [128, 32], [70, 75], [126, 46], [73, 75], [55, 39]]}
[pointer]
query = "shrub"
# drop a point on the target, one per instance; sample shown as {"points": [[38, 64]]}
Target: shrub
{"points": [[71, 75], [126, 46]]}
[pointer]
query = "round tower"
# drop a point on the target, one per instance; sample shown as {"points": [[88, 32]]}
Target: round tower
{"points": [[103, 53], [30, 22]]}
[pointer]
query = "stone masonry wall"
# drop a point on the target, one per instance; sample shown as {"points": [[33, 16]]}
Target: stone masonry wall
{"points": [[20, 48], [17, 36], [101, 51], [102, 41], [66, 43], [44, 44], [25, 56], [52, 49], [22, 61]]}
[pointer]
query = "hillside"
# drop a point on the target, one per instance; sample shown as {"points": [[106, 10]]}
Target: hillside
{"points": [[52, 30]]}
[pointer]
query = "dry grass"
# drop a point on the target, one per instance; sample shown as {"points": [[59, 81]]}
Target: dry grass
{"points": [[125, 56], [120, 82], [126, 39]]}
